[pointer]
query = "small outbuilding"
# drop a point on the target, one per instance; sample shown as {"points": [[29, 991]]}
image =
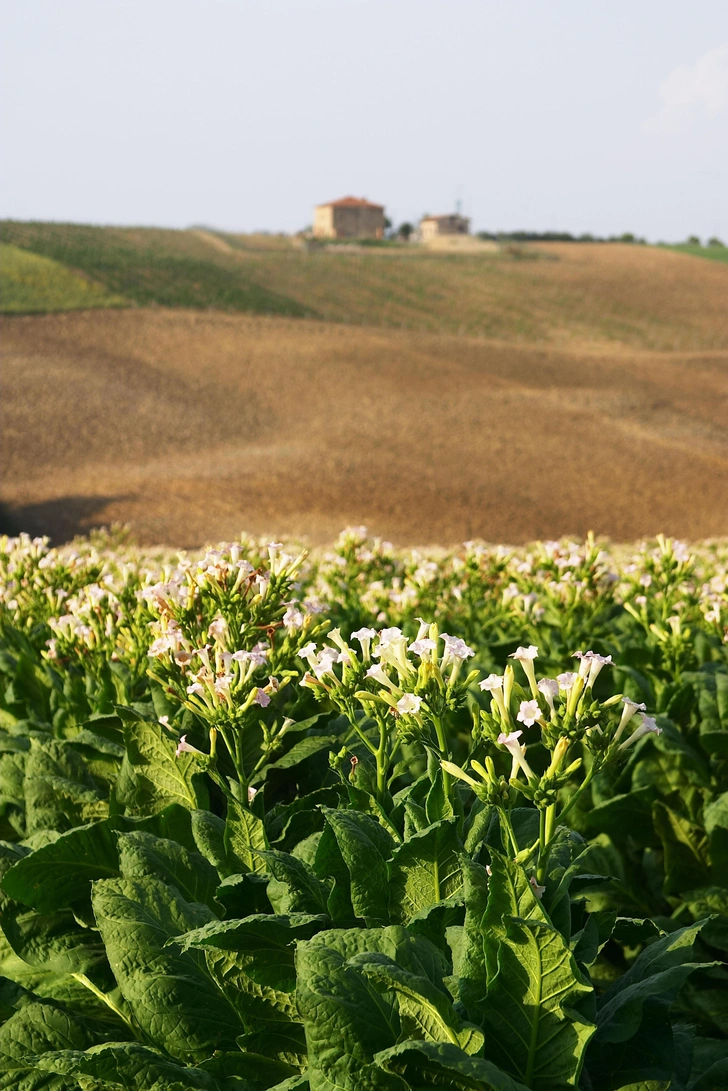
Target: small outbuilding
{"points": [[432, 227], [349, 218]]}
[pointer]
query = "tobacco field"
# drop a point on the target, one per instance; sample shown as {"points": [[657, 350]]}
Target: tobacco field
{"points": [[363, 819]]}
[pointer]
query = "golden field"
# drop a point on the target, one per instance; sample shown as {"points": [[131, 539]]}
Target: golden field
{"points": [[588, 389]]}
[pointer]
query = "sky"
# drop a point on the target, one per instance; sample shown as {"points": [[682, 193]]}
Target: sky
{"points": [[598, 116]]}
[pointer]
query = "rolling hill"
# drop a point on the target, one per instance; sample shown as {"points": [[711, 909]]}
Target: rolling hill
{"points": [[644, 297], [195, 384]]}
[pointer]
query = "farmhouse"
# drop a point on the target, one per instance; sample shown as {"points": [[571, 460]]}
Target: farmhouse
{"points": [[431, 227], [349, 218]]}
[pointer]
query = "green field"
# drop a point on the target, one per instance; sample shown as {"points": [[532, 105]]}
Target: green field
{"points": [[30, 284], [715, 253], [639, 296]]}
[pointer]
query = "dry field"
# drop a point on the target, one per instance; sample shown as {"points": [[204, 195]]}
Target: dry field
{"points": [[192, 426]]}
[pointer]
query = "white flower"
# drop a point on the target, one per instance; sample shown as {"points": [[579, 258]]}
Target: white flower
{"points": [[222, 685], [585, 664], [491, 683], [550, 688], [526, 656], [422, 647], [307, 652], [262, 698], [325, 662], [647, 727], [517, 752], [523, 655], [388, 637], [365, 637], [596, 664], [218, 629], [630, 708], [377, 673], [409, 704], [293, 618], [252, 793], [197, 688], [455, 648], [528, 713]]}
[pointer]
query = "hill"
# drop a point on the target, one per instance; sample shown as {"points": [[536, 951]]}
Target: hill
{"points": [[560, 293], [197, 383], [191, 426]]}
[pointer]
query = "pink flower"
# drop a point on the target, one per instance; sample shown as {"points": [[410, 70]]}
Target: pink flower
{"points": [[183, 747], [538, 890], [262, 698]]}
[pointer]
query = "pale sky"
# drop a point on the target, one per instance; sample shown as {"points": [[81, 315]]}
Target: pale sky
{"points": [[578, 115]]}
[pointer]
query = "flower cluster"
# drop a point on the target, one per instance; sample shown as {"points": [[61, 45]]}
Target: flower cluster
{"points": [[401, 688], [559, 714]]}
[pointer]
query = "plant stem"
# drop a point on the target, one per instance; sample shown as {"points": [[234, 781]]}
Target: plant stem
{"points": [[444, 752], [106, 999], [381, 757], [579, 792]]}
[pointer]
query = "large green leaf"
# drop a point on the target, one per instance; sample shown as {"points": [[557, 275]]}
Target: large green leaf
{"points": [[715, 818], [533, 986], [347, 1019], [170, 992], [655, 977], [245, 837], [59, 874], [425, 1011], [142, 854], [35, 1029], [687, 863], [426, 869], [441, 1064], [365, 847], [152, 776], [294, 887], [59, 792], [126, 1065], [253, 960]]}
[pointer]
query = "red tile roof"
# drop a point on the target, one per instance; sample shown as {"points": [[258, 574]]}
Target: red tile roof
{"points": [[351, 202]]}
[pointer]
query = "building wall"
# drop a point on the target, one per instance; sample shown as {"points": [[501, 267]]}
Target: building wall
{"points": [[348, 222], [444, 225], [323, 222]]}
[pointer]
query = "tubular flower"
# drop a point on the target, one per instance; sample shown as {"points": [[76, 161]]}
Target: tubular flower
{"points": [[647, 727], [526, 656], [517, 752]]}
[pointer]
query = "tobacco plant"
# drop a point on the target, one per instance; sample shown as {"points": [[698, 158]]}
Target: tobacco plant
{"points": [[363, 820]]}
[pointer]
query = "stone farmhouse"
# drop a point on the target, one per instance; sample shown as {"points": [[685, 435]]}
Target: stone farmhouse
{"points": [[432, 227], [349, 218]]}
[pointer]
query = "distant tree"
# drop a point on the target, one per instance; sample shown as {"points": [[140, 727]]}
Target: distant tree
{"points": [[627, 237], [387, 223], [716, 242], [405, 230], [693, 240]]}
